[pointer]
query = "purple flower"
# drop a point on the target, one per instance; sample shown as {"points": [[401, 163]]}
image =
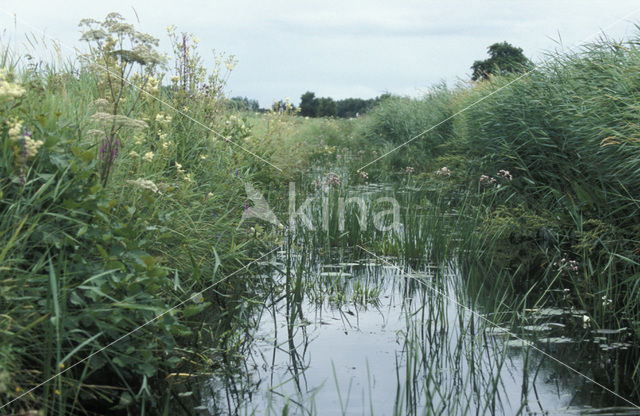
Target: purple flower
{"points": [[333, 179]]}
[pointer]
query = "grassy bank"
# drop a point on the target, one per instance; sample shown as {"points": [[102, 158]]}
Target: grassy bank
{"points": [[116, 211], [545, 169]]}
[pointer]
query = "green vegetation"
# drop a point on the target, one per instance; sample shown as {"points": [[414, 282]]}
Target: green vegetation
{"points": [[546, 169], [541, 178], [312, 106], [244, 104], [504, 59], [118, 210]]}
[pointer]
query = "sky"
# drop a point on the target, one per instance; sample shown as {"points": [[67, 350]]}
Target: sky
{"points": [[346, 48]]}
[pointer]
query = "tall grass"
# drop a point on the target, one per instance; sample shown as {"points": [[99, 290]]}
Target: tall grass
{"points": [[542, 180], [84, 260], [397, 120], [567, 137], [568, 133]]}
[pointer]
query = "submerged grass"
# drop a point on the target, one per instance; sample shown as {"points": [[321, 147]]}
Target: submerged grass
{"points": [[449, 360]]}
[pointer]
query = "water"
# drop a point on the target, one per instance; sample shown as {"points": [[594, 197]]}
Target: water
{"points": [[367, 338], [352, 333]]}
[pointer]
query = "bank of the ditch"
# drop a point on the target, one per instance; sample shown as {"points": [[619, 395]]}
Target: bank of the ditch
{"points": [[122, 243], [547, 168]]}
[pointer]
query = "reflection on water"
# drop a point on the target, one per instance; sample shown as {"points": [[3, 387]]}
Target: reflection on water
{"points": [[362, 337]]}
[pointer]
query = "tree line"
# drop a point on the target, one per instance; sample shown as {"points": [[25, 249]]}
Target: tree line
{"points": [[504, 58], [312, 106]]}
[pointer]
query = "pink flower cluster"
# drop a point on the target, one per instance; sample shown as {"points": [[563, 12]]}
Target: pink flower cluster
{"points": [[504, 174], [332, 179], [409, 170], [443, 171], [487, 180], [364, 174], [572, 265]]}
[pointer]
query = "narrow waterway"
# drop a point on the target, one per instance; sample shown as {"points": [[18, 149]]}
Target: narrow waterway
{"points": [[369, 338], [348, 332]]}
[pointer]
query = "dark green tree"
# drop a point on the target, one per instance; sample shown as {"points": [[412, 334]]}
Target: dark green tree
{"points": [[308, 104], [504, 58], [312, 106], [326, 107], [350, 107]]}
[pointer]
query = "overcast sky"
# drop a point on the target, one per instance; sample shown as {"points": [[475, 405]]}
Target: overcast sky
{"points": [[344, 48]]}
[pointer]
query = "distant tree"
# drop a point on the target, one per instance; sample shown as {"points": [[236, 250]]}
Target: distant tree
{"points": [[327, 107], [244, 103], [278, 106], [383, 97], [284, 107], [312, 106], [308, 104], [239, 102], [504, 58], [350, 107]]}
